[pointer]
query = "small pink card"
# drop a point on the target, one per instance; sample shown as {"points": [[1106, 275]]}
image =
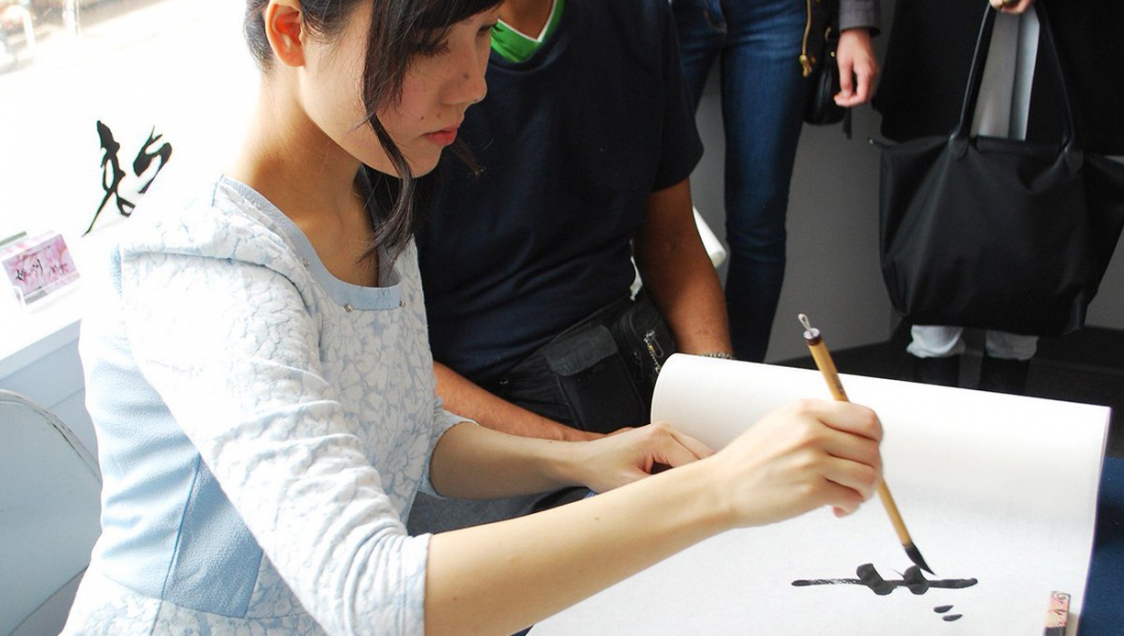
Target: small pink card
{"points": [[38, 266]]}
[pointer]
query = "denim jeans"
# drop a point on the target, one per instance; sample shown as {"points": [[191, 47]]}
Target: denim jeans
{"points": [[758, 44]]}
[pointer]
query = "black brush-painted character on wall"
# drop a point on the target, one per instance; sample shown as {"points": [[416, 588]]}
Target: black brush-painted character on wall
{"points": [[113, 175]]}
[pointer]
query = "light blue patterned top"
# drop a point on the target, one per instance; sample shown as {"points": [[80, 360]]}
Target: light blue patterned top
{"points": [[262, 429]]}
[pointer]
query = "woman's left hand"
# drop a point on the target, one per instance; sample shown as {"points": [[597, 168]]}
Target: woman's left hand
{"points": [[632, 454], [858, 67]]}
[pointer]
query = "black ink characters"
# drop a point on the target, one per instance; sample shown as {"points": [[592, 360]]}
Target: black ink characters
{"points": [[912, 579], [112, 174]]}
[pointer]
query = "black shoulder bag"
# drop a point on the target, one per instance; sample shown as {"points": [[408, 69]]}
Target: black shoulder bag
{"points": [[820, 66], [998, 233]]}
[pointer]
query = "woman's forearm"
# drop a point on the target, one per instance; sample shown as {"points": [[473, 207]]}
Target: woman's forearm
{"points": [[499, 578], [473, 462]]}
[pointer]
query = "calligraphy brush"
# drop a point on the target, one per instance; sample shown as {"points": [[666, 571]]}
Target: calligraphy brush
{"points": [[827, 367]]}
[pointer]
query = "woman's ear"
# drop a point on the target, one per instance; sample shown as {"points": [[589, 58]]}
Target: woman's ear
{"points": [[283, 28]]}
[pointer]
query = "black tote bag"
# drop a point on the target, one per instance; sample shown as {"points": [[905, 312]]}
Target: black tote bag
{"points": [[997, 233]]}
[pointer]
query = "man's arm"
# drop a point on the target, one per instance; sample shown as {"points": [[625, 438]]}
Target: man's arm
{"points": [[465, 398], [678, 274]]}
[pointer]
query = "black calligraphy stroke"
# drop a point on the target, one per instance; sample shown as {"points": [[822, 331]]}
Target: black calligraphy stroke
{"points": [[912, 579], [113, 174], [943, 609]]}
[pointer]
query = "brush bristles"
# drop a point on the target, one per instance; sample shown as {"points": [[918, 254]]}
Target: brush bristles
{"points": [[915, 556]]}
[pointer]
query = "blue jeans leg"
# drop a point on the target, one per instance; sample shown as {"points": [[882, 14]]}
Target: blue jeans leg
{"points": [[758, 45]]}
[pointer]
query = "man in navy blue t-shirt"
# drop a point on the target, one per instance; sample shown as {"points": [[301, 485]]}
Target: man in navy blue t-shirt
{"points": [[586, 141]]}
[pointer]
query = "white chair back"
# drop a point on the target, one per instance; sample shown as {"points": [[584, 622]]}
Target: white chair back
{"points": [[50, 489]]}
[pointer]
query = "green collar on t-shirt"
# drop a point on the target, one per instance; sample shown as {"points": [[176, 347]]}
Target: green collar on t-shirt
{"points": [[516, 47]]}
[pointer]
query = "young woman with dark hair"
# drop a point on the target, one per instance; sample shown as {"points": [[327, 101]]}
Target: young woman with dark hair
{"points": [[263, 392]]}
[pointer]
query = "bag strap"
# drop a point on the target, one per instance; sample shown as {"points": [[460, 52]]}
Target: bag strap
{"points": [[1048, 44]]}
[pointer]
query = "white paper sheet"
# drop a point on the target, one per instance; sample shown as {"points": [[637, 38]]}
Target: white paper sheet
{"points": [[992, 487]]}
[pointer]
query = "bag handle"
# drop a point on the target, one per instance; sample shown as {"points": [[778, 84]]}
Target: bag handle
{"points": [[1047, 43]]}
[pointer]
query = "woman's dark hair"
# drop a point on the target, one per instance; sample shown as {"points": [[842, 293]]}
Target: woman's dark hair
{"points": [[399, 31]]}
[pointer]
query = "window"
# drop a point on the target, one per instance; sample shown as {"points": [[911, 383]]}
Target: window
{"points": [[98, 96]]}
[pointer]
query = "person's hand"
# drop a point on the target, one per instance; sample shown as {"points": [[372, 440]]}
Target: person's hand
{"points": [[631, 454], [800, 457], [858, 67], [1011, 6]]}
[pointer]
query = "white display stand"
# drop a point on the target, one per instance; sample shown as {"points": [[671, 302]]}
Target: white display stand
{"points": [[39, 342]]}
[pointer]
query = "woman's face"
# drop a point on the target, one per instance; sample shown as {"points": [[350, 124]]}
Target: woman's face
{"points": [[436, 92]]}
